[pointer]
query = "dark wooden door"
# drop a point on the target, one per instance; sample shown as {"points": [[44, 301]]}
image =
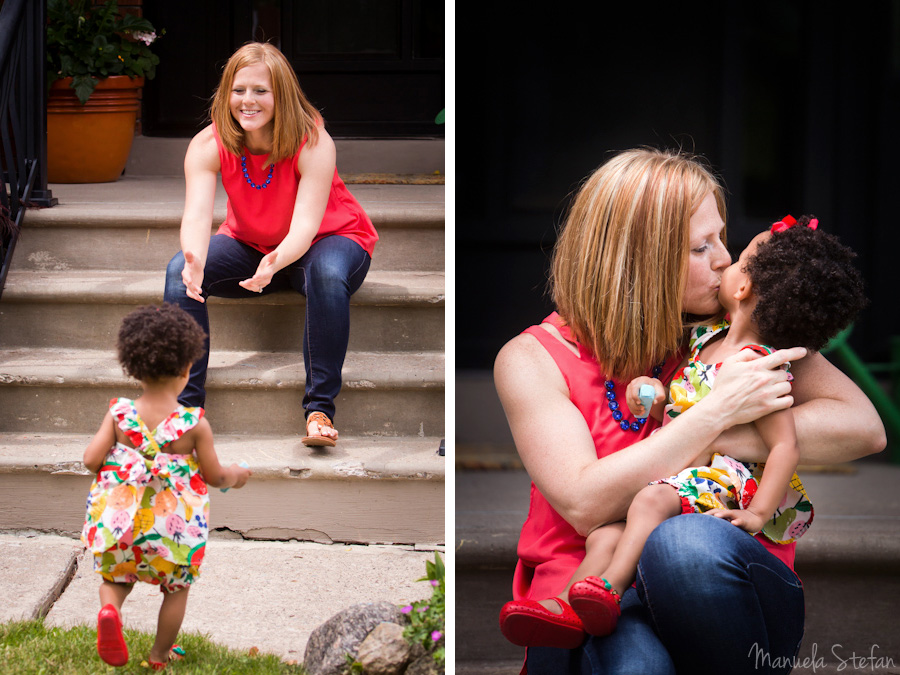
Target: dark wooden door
{"points": [[375, 68]]}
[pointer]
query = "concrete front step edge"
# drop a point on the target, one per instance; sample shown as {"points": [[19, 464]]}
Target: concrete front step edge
{"points": [[232, 370], [382, 288], [270, 458], [372, 491], [158, 201]]}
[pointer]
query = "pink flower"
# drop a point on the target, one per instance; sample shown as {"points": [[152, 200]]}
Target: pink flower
{"points": [[436, 635], [435, 583], [146, 38], [407, 609]]}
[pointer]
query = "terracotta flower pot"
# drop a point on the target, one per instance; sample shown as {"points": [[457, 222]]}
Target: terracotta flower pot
{"points": [[90, 143]]}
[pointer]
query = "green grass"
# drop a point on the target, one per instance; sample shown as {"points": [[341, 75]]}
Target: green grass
{"points": [[31, 648]]}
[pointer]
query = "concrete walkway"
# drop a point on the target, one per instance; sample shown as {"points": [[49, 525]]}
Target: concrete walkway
{"points": [[264, 594]]}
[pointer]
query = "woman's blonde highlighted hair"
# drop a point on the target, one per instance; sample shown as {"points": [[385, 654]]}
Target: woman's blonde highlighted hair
{"points": [[619, 268], [295, 117]]}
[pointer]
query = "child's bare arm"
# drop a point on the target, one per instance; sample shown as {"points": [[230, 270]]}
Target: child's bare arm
{"points": [[634, 404], [100, 444], [213, 472], [778, 432]]}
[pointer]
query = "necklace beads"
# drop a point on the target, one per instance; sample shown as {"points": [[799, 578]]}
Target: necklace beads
{"points": [[617, 413], [247, 175]]}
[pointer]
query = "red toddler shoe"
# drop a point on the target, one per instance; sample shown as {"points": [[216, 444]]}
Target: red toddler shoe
{"points": [[527, 623], [110, 643], [596, 603]]}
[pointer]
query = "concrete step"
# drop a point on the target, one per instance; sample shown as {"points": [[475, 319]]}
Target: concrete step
{"points": [[84, 308], [134, 224], [158, 201], [364, 490], [62, 248], [384, 394], [165, 156], [850, 559]]}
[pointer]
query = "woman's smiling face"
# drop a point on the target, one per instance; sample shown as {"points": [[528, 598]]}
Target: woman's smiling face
{"points": [[252, 102], [707, 259]]}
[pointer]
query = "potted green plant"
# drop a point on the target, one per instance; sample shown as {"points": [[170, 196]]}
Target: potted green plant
{"points": [[97, 61]]}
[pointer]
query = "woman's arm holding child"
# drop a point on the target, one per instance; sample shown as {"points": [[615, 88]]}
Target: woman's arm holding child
{"points": [[835, 420], [216, 475], [100, 444], [778, 432]]}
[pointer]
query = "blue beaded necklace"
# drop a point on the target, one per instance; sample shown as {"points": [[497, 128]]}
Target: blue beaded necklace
{"points": [[617, 414], [247, 175]]}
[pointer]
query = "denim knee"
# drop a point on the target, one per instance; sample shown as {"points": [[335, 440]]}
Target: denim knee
{"points": [[325, 274], [173, 276]]}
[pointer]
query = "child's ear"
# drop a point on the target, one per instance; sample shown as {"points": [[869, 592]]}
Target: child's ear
{"points": [[744, 291]]}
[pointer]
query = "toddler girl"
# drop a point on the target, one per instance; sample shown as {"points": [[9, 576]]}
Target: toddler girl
{"points": [[792, 286], [148, 508]]}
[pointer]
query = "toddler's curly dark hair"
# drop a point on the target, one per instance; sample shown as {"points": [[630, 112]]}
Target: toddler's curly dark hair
{"points": [[806, 285], [159, 342]]}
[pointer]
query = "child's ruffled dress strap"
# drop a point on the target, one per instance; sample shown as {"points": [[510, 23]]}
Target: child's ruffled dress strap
{"points": [[126, 417], [703, 334]]}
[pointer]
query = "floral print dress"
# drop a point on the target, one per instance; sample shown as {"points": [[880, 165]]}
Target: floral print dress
{"points": [[726, 482], [147, 510]]}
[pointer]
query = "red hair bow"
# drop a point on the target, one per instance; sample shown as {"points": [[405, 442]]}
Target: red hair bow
{"points": [[789, 221]]}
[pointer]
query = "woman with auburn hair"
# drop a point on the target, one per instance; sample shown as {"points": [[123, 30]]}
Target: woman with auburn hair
{"points": [[639, 259], [291, 222]]}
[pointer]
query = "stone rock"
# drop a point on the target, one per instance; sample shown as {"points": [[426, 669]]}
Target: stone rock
{"points": [[384, 651], [424, 665], [329, 644]]}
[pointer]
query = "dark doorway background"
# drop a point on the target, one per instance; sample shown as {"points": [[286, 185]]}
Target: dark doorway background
{"points": [[375, 69], [795, 104]]}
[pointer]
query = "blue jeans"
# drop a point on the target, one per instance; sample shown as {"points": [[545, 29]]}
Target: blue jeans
{"points": [[328, 274], [708, 596]]}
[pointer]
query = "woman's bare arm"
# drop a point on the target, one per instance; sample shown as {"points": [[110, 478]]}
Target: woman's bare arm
{"points": [[835, 421], [201, 168], [558, 451]]}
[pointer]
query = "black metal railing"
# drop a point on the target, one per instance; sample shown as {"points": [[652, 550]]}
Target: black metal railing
{"points": [[23, 120]]}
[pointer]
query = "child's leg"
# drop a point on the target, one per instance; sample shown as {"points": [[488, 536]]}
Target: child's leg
{"points": [[598, 552], [114, 594], [651, 507], [171, 614]]}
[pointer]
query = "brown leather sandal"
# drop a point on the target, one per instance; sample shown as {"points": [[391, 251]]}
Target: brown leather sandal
{"points": [[319, 440]]}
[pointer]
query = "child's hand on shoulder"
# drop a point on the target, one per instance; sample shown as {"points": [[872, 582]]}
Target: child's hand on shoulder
{"points": [[635, 406]]}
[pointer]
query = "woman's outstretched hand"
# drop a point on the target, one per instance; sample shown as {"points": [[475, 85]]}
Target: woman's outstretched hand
{"points": [[263, 275], [749, 386], [192, 276]]}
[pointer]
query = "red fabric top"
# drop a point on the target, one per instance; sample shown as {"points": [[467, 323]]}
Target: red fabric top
{"points": [[262, 218], [549, 548]]}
